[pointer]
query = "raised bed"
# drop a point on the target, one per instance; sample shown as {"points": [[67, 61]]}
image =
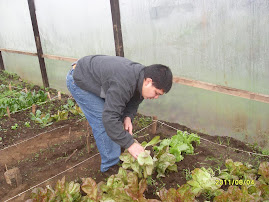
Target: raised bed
{"points": [[43, 153]]}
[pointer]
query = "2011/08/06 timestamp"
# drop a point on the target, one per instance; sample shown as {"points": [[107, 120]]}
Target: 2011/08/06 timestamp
{"points": [[235, 182]]}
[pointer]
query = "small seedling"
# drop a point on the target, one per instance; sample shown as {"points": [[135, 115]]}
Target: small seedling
{"points": [[27, 124], [15, 127], [187, 174]]}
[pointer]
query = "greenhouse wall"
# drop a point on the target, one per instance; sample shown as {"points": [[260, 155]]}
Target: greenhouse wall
{"points": [[222, 42]]}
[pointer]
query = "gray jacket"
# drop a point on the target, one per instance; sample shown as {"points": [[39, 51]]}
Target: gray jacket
{"points": [[119, 81]]}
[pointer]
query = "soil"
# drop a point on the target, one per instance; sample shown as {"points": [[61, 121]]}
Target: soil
{"points": [[69, 146]]}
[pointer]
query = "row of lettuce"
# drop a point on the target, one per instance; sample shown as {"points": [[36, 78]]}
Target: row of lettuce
{"points": [[243, 181]]}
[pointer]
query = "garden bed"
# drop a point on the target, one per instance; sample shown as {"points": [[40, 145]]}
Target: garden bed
{"points": [[63, 144]]}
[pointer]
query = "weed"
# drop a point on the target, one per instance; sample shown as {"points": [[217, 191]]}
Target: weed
{"points": [[27, 124], [187, 173], [228, 141], [142, 121], [220, 141], [15, 127]]}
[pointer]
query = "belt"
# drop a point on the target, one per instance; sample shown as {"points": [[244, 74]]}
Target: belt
{"points": [[74, 66]]}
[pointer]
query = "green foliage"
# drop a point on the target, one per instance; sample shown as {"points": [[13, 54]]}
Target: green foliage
{"points": [[143, 121], [183, 193], [234, 193], [92, 190], [21, 101], [27, 124], [237, 170], [203, 181], [61, 115], [73, 108], [64, 191], [179, 144], [145, 165], [70, 104], [15, 127], [264, 172], [125, 186], [44, 120], [164, 161]]}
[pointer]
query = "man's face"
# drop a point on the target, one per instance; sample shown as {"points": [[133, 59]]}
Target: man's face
{"points": [[149, 91]]}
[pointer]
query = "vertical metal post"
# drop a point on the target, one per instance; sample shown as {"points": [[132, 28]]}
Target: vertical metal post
{"points": [[2, 67], [115, 12], [31, 4]]}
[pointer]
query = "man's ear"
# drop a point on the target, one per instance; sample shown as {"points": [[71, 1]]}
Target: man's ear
{"points": [[148, 81]]}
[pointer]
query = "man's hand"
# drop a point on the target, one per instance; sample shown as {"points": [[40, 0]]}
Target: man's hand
{"points": [[128, 125], [135, 149]]}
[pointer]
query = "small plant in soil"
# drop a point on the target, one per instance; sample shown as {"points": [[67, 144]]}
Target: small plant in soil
{"points": [[61, 115], [27, 124], [42, 119], [15, 126]]}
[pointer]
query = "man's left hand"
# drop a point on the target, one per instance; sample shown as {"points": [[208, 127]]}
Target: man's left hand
{"points": [[128, 125]]}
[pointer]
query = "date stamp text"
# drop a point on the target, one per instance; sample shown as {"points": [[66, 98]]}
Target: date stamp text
{"points": [[235, 182]]}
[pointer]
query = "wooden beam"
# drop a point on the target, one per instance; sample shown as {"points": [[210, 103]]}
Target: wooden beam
{"points": [[31, 4], [18, 52], [2, 67], [184, 81], [222, 89], [54, 57], [115, 12]]}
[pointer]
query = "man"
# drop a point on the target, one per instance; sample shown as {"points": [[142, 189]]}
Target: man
{"points": [[109, 89]]}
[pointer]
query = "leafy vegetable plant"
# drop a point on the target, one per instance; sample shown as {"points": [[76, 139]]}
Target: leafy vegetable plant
{"points": [[179, 144], [64, 191], [61, 115], [203, 181], [44, 120], [144, 164]]}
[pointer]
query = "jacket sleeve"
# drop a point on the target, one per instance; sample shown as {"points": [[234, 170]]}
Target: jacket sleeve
{"points": [[116, 99]]}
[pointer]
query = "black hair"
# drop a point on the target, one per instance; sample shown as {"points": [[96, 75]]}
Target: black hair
{"points": [[162, 77]]}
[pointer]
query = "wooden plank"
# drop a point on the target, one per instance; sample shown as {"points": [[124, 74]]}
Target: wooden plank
{"points": [[222, 89], [18, 52], [115, 12], [31, 4], [54, 57], [184, 81], [2, 67]]}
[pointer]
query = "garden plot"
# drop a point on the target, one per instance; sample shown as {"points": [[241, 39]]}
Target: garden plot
{"points": [[62, 146]]}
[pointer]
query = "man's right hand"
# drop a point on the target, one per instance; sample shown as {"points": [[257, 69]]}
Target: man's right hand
{"points": [[135, 149]]}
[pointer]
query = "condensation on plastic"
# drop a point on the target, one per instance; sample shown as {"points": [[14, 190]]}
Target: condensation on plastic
{"points": [[74, 28], [57, 72], [213, 113], [27, 67], [16, 27], [223, 42]]}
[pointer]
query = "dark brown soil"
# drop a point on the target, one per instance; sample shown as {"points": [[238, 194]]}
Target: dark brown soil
{"points": [[63, 145]]}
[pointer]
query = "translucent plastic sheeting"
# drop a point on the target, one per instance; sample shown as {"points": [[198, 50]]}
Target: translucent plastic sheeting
{"points": [[57, 71], [15, 25], [224, 42], [213, 113], [27, 67], [74, 28]]}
